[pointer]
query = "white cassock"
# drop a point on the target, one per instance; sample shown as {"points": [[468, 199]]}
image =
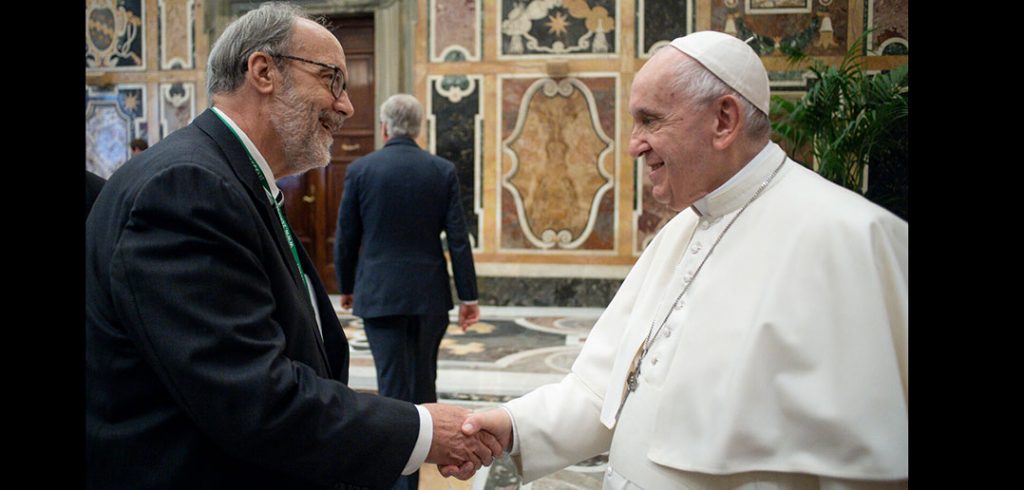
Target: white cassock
{"points": [[784, 368]]}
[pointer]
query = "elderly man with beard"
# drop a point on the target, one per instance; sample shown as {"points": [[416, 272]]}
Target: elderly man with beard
{"points": [[760, 341], [214, 358]]}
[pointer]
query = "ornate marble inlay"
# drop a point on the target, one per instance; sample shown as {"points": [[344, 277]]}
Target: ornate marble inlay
{"points": [[112, 119], [778, 27], [560, 163], [558, 27], [455, 109], [658, 22], [177, 106], [114, 37], [889, 18], [177, 34], [455, 30]]}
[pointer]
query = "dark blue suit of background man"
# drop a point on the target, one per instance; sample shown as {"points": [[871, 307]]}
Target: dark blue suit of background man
{"points": [[389, 255]]}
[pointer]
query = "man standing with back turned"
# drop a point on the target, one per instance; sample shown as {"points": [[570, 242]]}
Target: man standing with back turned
{"points": [[760, 341], [389, 259], [214, 359]]}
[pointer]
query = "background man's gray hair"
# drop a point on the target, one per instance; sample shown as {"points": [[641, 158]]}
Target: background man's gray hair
{"points": [[402, 113], [702, 87], [267, 29]]}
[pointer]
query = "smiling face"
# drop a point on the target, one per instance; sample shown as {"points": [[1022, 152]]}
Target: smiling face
{"points": [[672, 133], [306, 113]]}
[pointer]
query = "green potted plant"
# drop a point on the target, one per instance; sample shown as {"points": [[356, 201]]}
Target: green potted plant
{"points": [[850, 120]]}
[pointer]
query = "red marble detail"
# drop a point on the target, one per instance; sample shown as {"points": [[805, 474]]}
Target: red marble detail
{"points": [[455, 23]]}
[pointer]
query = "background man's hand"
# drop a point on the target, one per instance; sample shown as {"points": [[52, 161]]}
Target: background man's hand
{"points": [[346, 301], [468, 315]]}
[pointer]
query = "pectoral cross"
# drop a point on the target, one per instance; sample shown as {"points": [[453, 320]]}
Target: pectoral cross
{"points": [[632, 381]]}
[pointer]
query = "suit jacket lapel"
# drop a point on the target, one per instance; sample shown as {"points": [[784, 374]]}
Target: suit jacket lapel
{"points": [[240, 164]]}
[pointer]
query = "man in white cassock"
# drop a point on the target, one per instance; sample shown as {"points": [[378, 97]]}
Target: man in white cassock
{"points": [[760, 341]]}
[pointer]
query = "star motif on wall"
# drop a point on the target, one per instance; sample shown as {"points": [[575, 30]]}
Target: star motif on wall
{"points": [[131, 102], [557, 24]]}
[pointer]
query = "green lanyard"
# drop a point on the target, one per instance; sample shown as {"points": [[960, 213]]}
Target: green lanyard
{"points": [[273, 201]]}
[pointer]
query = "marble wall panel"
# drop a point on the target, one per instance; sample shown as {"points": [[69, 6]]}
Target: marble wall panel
{"points": [[558, 163], [112, 119], [890, 20], [815, 27], [455, 109], [177, 106], [658, 22], [114, 37], [560, 28], [176, 21], [454, 30]]}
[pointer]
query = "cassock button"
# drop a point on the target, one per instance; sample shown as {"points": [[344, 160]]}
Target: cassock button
{"points": [[678, 305], [704, 224], [688, 277], [695, 248], [608, 472], [654, 360]]}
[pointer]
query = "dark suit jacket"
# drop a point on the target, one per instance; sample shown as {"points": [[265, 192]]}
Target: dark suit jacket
{"points": [[397, 200], [204, 366], [93, 186]]}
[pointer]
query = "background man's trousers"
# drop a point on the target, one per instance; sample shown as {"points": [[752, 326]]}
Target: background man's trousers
{"points": [[404, 351]]}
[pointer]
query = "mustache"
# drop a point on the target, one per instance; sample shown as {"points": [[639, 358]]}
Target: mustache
{"points": [[332, 120]]}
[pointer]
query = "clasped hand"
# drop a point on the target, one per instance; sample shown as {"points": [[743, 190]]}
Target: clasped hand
{"points": [[464, 441]]}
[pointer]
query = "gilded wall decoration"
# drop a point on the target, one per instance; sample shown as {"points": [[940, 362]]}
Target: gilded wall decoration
{"points": [[112, 119], [778, 27], [658, 22], [889, 18], [114, 37], [558, 163], [176, 22], [558, 27], [455, 110], [177, 106], [454, 30]]}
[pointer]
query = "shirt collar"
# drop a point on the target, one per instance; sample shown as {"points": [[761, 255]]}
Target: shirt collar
{"points": [[736, 191], [256, 155]]}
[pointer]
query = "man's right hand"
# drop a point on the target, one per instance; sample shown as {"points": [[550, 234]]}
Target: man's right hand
{"points": [[346, 301], [495, 421], [468, 315], [452, 447]]}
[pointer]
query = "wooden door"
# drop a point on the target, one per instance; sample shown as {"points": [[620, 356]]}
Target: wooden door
{"points": [[312, 199]]}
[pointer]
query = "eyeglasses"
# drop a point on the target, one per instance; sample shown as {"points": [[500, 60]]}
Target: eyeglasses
{"points": [[338, 82]]}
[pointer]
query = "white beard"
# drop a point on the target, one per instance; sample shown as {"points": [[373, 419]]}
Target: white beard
{"points": [[307, 144]]}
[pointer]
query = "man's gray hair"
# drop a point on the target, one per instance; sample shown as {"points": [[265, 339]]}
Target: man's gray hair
{"points": [[401, 114], [702, 87], [267, 29]]}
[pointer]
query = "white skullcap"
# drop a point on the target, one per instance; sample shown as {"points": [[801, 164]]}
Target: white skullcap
{"points": [[731, 60]]}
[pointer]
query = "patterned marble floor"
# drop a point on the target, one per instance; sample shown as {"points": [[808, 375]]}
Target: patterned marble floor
{"points": [[511, 351]]}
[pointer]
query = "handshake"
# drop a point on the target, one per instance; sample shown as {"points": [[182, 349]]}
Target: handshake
{"points": [[464, 441]]}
